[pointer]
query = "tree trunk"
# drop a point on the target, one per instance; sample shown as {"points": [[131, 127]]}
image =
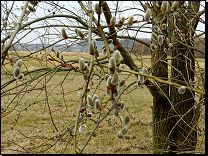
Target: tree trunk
{"points": [[174, 122], [161, 108], [184, 131]]}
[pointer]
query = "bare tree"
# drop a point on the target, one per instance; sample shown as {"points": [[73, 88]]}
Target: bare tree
{"points": [[177, 84]]}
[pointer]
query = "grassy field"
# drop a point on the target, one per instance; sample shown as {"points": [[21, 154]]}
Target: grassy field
{"points": [[26, 127]]}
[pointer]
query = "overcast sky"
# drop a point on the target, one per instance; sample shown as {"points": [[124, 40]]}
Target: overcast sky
{"points": [[42, 10]]}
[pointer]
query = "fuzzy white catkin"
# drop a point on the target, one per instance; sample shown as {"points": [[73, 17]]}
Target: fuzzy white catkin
{"points": [[91, 48], [79, 94], [140, 79], [163, 27], [122, 83], [115, 114], [123, 66], [121, 105], [80, 34], [107, 91], [160, 39], [81, 63], [182, 89], [124, 131], [145, 71], [147, 15], [16, 72], [106, 77], [97, 104], [164, 6], [130, 21], [116, 94], [155, 28], [119, 135], [19, 64], [94, 43], [115, 78], [94, 98], [126, 120], [154, 36], [153, 47], [113, 21], [21, 77], [97, 9], [89, 101], [104, 51], [111, 65], [117, 56], [108, 83], [160, 18], [174, 6], [82, 127]]}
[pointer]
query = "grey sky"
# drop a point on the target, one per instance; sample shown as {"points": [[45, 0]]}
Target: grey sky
{"points": [[40, 12]]}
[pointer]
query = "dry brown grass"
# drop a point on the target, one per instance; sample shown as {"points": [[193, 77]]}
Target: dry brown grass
{"points": [[34, 125]]}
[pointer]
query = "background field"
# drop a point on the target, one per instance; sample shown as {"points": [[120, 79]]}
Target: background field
{"points": [[33, 131]]}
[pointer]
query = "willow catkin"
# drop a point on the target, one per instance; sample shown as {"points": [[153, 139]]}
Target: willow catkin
{"points": [[97, 104], [124, 131], [116, 94], [115, 78], [122, 83], [164, 6], [19, 63], [108, 83], [110, 41], [145, 71], [153, 47], [64, 33], [104, 50], [130, 21], [160, 40], [113, 21], [21, 77], [117, 56], [123, 66], [82, 127], [106, 77], [31, 8], [94, 98], [119, 135], [97, 8], [115, 114], [91, 48], [80, 34], [147, 15], [160, 18], [121, 105], [81, 63], [163, 27], [182, 89], [121, 21], [90, 101], [174, 6], [154, 36], [111, 65], [126, 120], [94, 43], [16, 72]]}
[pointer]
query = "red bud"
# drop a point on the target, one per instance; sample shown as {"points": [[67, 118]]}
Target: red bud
{"points": [[108, 87], [85, 102]]}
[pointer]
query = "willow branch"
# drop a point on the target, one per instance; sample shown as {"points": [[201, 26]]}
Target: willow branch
{"points": [[4, 52]]}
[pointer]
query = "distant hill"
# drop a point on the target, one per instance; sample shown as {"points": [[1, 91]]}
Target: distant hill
{"points": [[82, 46]]}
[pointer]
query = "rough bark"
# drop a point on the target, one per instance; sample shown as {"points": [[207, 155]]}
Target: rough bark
{"points": [[160, 112], [184, 133]]}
